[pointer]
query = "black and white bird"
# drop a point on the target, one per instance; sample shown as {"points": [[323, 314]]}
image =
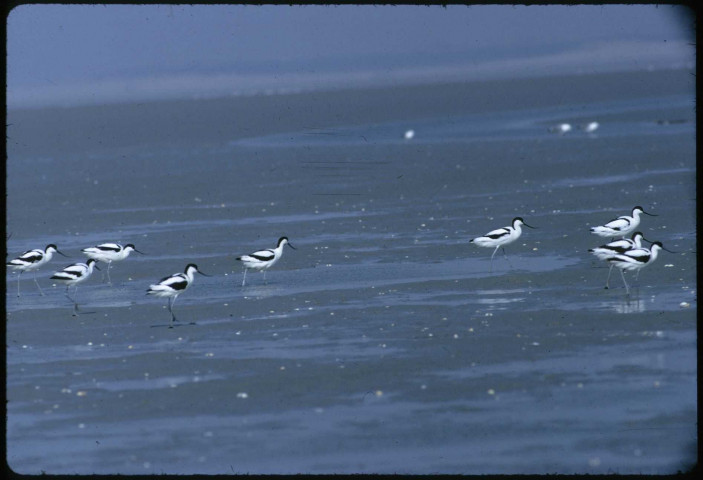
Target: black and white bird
{"points": [[173, 286], [604, 252], [31, 261], [110, 252], [264, 259], [636, 259], [621, 226], [72, 275], [500, 237]]}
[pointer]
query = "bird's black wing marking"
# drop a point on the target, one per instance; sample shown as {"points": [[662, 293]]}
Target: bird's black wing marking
{"points": [[109, 248], [263, 256], [498, 234], [180, 284], [31, 256], [640, 256]]}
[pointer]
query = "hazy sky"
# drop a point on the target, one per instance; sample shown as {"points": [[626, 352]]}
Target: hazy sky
{"points": [[141, 50]]}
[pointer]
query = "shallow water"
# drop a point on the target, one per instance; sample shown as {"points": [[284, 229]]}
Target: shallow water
{"points": [[386, 342]]}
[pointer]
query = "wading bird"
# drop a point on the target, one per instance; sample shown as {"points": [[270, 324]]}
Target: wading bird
{"points": [[73, 275], [110, 252], [500, 237], [173, 286], [264, 259], [31, 261]]}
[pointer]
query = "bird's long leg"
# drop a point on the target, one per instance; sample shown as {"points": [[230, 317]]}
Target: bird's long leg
{"points": [[245, 276], [109, 263], [627, 288], [18, 283], [67, 293], [607, 280], [35, 281], [171, 301], [265, 283], [75, 304], [494, 254]]}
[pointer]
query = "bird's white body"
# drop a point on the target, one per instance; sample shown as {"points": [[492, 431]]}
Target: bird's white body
{"points": [[75, 273], [264, 259], [636, 258], [618, 246], [31, 261], [109, 252], [621, 226], [500, 237]]}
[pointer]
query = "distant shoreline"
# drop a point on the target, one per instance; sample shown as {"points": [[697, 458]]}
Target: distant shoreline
{"points": [[149, 90], [59, 130]]}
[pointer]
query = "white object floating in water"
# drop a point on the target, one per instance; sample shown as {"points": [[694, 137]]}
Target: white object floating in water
{"points": [[590, 127], [409, 134], [561, 129]]}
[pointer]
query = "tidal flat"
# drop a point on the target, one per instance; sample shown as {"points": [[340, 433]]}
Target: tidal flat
{"points": [[385, 343]]}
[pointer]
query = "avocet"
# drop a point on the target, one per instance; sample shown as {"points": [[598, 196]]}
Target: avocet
{"points": [[110, 252], [264, 259], [72, 275], [604, 252], [621, 226], [636, 259], [500, 237], [31, 261], [173, 286]]}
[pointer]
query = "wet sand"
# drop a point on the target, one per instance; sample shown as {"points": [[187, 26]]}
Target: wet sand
{"points": [[384, 343]]}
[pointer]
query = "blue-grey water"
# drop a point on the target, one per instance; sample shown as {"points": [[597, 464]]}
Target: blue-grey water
{"points": [[385, 343]]}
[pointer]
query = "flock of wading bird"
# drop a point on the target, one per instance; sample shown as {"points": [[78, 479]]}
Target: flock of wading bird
{"points": [[623, 253]]}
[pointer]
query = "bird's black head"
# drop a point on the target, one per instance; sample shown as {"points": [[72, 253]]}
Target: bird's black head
{"points": [[56, 249], [285, 240], [131, 245], [642, 211], [192, 266]]}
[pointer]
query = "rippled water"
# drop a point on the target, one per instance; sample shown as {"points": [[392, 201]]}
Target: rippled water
{"points": [[385, 343]]}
